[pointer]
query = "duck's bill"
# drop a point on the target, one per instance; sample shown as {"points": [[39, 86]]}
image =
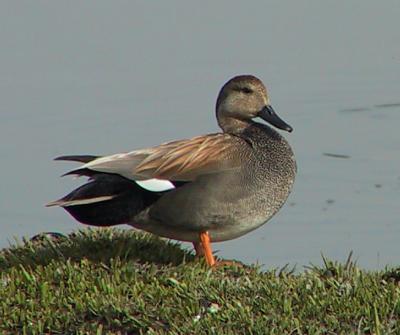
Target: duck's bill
{"points": [[268, 114]]}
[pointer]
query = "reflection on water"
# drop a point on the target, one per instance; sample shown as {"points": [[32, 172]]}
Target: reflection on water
{"points": [[367, 109], [329, 154], [391, 105], [104, 79], [355, 109]]}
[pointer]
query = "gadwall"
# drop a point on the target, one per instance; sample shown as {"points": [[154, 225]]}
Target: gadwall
{"points": [[209, 188]]}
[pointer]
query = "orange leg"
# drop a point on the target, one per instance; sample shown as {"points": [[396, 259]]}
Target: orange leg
{"points": [[205, 243]]}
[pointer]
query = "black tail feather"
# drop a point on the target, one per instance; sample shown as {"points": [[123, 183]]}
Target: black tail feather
{"points": [[126, 200], [81, 172]]}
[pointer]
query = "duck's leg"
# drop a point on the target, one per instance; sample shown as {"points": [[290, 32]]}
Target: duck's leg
{"points": [[199, 249], [206, 250]]}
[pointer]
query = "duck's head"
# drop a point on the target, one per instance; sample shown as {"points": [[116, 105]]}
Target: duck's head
{"points": [[240, 100]]}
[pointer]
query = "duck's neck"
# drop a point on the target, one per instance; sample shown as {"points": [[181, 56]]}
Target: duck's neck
{"points": [[232, 125]]}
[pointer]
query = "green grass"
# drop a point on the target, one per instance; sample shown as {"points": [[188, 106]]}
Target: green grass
{"points": [[124, 282]]}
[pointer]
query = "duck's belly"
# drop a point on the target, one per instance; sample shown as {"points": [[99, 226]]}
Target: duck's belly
{"points": [[223, 222], [220, 234], [225, 212], [230, 232]]}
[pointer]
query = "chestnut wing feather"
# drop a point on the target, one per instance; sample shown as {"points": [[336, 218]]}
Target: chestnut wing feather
{"points": [[182, 160], [186, 159]]}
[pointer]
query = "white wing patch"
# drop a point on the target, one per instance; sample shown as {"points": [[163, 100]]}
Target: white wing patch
{"points": [[155, 185]]}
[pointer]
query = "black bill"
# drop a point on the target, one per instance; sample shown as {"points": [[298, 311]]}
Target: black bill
{"points": [[268, 114]]}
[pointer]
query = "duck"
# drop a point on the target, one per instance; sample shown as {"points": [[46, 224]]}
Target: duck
{"points": [[209, 188]]}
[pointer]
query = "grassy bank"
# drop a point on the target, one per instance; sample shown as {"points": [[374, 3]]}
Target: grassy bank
{"points": [[124, 282]]}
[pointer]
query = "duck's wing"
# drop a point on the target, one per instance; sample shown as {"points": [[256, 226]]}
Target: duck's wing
{"points": [[182, 160]]}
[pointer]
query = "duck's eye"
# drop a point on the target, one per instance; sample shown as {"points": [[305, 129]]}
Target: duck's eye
{"points": [[247, 90]]}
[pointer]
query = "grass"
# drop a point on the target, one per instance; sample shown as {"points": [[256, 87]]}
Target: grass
{"points": [[124, 282]]}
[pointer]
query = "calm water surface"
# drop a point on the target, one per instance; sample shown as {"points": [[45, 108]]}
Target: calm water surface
{"points": [[109, 77]]}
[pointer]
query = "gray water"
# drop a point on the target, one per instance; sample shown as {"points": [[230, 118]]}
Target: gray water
{"points": [[104, 77]]}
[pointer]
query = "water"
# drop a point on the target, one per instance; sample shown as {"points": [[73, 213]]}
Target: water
{"points": [[109, 77]]}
